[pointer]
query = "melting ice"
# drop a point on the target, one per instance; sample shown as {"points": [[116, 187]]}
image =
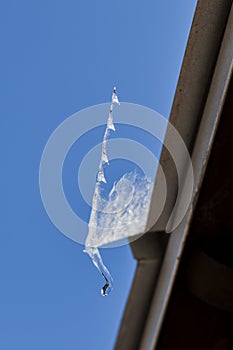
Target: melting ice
{"points": [[120, 215]]}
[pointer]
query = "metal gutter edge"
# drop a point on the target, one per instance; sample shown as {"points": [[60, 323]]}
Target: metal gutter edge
{"points": [[199, 62], [200, 156]]}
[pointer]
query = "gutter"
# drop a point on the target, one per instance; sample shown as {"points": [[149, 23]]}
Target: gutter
{"points": [[157, 265], [202, 148]]}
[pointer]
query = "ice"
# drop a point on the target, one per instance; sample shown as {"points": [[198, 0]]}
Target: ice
{"points": [[119, 215], [98, 262], [115, 99], [123, 214], [100, 176]]}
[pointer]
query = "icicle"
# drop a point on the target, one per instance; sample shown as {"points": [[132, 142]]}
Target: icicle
{"points": [[93, 251], [120, 214]]}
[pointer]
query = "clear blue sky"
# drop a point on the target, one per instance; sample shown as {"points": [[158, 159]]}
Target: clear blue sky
{"points": [[58, 57]]}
